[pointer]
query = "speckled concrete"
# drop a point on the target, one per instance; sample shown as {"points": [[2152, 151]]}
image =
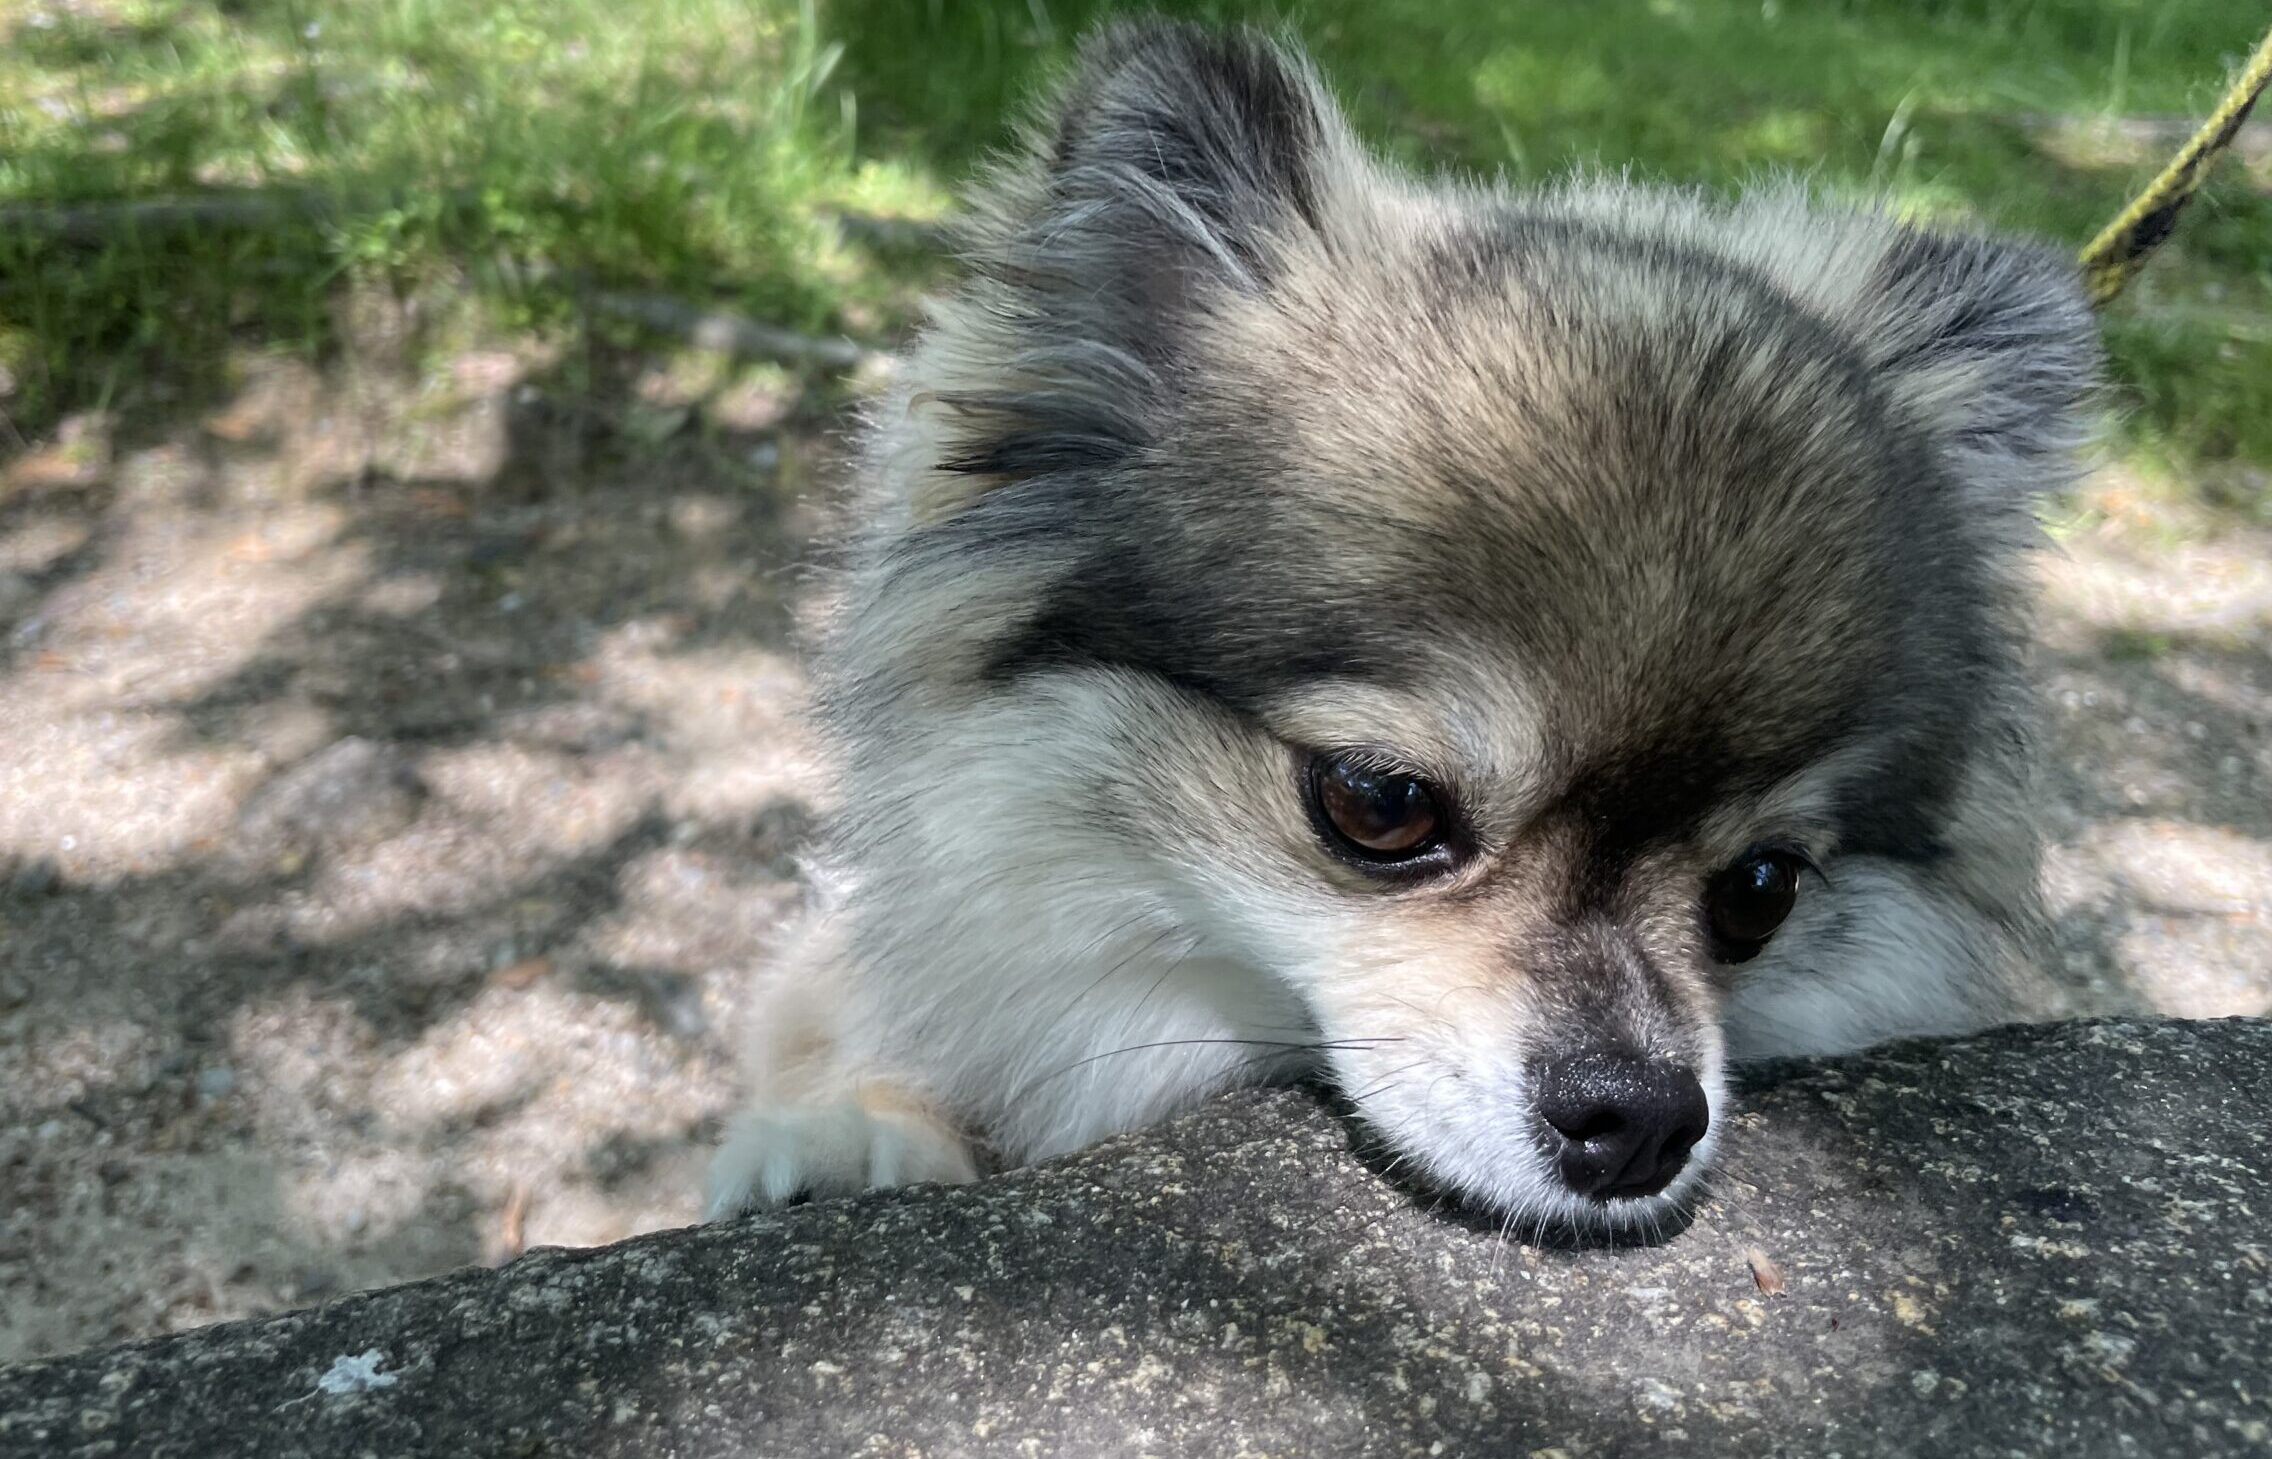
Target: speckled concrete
{"points": [[2043, 1241]]}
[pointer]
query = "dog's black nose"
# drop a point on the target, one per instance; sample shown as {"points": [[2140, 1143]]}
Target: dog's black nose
{"points": [[1623, 1126]]}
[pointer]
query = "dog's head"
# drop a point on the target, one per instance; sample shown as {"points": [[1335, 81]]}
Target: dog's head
{"points": [[1553, 636]]}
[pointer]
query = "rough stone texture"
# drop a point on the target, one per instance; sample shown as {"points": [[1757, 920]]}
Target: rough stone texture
{"points": [[2042, 1241]]}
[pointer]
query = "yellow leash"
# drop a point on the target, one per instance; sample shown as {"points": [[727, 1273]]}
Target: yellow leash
{"points": [[2123, 246]]}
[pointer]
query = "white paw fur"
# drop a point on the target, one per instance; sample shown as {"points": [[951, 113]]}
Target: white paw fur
{"points": [[839, 1148]]}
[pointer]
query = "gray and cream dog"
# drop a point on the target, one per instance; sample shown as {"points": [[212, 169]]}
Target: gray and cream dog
{"points": [[1512, 653]]}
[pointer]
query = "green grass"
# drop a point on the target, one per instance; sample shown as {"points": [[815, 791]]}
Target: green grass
{"points": [[698, 146], [685, 145]]}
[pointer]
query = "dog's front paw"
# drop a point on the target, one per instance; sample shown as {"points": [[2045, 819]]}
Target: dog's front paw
{"points": [[774, 1153]]}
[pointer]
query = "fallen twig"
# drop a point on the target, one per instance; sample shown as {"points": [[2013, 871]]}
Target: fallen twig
{"points": [[512, 1226], [910, 235], [707, 328], [106, 222], [729, 333]]}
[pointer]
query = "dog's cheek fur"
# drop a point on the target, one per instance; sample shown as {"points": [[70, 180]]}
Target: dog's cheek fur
{"points": [[1886, 950], [1032, 936]]}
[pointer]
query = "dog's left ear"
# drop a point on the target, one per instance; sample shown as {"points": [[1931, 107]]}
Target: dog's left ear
{"points": [[1992, 346]]}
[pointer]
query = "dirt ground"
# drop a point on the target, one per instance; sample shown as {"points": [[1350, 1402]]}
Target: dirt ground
{"points": [[399, 770]]}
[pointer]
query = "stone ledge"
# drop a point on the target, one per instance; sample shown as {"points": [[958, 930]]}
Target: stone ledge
{"points": [[2043, 1240]]}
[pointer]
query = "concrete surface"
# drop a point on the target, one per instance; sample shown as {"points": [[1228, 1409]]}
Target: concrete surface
{"points": [[2042, 1241]]}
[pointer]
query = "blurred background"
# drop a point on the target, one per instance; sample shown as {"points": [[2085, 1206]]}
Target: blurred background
{"points": [[413, 415]]}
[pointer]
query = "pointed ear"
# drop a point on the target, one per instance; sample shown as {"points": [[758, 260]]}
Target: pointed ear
{"points": [[1991, 344], [1175, 166], [1183, 153]]}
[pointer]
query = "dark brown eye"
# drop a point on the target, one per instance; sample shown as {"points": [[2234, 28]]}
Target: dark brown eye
{"points": [[1749, 900], [1377, 814]]}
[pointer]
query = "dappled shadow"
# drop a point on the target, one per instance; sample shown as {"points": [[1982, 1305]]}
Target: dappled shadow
{"points": [[399, 776], [2158, 666]]}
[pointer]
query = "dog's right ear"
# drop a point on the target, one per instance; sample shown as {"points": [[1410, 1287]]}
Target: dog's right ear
{"points": [[1178, 157], [1173, 167]]}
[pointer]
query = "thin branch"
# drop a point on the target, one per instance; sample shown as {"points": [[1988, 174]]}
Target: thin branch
{"points": [[900, 235], [732, 334], [107, 222]]}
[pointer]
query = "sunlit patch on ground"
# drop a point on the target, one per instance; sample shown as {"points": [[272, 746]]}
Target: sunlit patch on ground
{"points": [[2157, 634], [392, 794]]}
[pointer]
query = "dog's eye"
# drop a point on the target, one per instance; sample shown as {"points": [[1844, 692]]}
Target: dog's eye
{"points": [[1749, 900], [1378, 815]]}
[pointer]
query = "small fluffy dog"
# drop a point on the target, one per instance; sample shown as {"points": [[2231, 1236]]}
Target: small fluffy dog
{"points": [[1510, 653]]}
